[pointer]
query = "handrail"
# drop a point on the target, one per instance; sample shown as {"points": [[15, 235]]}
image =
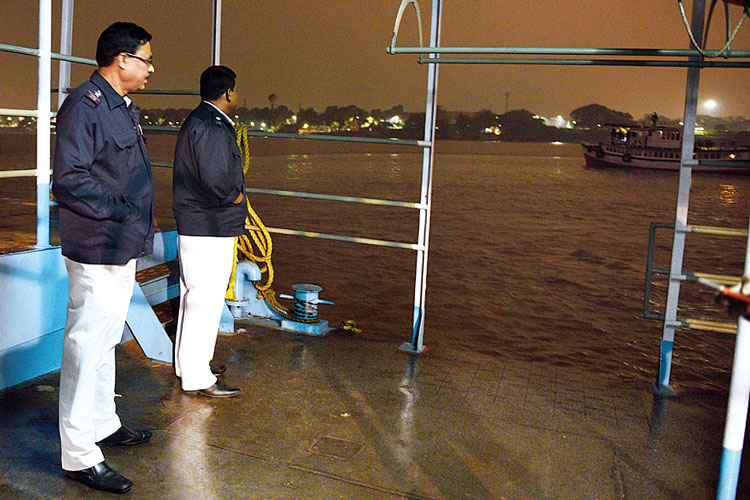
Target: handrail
{"points": [[21, 112], [346, 199], [589, 62], [317, 137], [562, 51], [7, 174], [351, 239], [696, 324], [719, 231], [17, 49], [349, 199]]}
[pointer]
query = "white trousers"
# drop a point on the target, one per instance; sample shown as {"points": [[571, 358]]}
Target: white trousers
{"points": [[205, 268], [98, 304]]}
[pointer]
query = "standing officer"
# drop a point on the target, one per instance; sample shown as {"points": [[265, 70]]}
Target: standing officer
{"points": [[103, 184], [209, 190]]}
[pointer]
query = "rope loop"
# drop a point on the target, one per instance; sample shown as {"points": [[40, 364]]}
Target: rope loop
{"points": [[724, 52], [400, 14]]}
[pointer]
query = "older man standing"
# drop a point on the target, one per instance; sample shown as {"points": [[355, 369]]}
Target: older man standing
{"points": [[103, 184], [209, 190]]}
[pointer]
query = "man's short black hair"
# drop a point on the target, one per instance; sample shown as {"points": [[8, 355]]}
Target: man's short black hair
{"points": [[216, 80], [119, 37]]}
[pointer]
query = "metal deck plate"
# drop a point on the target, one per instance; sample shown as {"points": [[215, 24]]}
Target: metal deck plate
{"points": [[335, 447]]}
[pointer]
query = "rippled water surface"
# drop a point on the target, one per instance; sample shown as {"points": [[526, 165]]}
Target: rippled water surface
{"points": [[532, 255]]}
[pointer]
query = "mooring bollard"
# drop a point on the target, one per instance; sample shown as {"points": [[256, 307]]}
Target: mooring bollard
{"points": [[306, 301]]}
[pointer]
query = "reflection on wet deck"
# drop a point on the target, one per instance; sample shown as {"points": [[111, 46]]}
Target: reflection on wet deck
{"points": [[342, 417]]}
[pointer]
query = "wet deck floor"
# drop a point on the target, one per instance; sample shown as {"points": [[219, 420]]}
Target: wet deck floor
{"points": [[341, 417]]}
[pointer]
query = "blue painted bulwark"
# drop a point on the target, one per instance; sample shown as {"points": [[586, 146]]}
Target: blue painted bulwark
{"points": [[33, 307], [33, 303]]}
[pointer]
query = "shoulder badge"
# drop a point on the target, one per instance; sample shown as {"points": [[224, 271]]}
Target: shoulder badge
{"points": [[94, 96]]}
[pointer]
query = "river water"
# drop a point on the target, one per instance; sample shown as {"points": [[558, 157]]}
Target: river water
{"points": [[533, 256]]}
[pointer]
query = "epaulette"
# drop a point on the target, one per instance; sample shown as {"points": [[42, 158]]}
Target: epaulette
{"points": [[93, 97]]}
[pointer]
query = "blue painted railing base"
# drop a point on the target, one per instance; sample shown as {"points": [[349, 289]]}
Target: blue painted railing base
{"points": [[409, 347], [663, 390], [729, 472]]}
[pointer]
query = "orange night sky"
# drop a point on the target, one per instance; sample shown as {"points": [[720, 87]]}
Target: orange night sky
{"points": [[319, 53]]}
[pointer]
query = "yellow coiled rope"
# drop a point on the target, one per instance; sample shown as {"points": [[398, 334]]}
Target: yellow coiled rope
{"points": [[260, 237]]}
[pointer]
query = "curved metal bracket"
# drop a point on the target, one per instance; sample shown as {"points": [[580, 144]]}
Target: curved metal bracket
{"points": [[397, 25], [724, 52]]}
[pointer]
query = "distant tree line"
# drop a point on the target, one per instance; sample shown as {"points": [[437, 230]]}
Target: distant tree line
{"points": [[587, 122]]}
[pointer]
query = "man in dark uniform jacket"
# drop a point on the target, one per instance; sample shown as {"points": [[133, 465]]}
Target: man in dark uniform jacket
{"points": [[103, 184], [208, 190]]}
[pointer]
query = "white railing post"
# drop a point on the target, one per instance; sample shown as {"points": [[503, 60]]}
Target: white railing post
{"points": [[420, 283], [662, 386], [739, 393], [66, 48], [43, 124], [216, 34]]}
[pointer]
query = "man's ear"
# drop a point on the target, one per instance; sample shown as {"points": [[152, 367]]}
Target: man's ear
{"points": [[120, 58]]}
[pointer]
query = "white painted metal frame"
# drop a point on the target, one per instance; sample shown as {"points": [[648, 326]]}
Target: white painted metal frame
{"points": [[662, 386], [416, 345], [43, 120], [216, 33]]}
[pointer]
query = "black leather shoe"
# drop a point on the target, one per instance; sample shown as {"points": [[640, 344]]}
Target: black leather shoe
{"points": [[218, 390], [218, 369], [101, 477], [125, 437]]}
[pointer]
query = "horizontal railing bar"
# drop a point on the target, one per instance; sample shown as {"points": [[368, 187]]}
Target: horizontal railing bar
{"points": [[698, 324], [4, 47], [314, 137], [561, 51], [5, 174], [719, 231], [350, 239], [706, 325], [21, 112], [721, 279], [341, 138], [350, 199], [167, 92], [148, 91], [587, 62], [161, 128], [725, 163]]}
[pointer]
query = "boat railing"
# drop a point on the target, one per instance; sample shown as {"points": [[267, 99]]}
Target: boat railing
{"points": [[43, 170], [312, 137], [694, 60], [688, 276], [316, 196]]}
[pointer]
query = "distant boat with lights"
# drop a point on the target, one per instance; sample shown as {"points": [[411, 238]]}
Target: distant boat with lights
{"points": [[659, 148]]}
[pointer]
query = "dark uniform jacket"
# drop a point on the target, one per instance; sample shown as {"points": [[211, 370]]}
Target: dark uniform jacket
{"points": [[207, 176], [102, 177]]}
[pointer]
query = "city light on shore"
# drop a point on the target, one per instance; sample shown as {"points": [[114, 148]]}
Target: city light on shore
{"points": [[710, 105]]}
